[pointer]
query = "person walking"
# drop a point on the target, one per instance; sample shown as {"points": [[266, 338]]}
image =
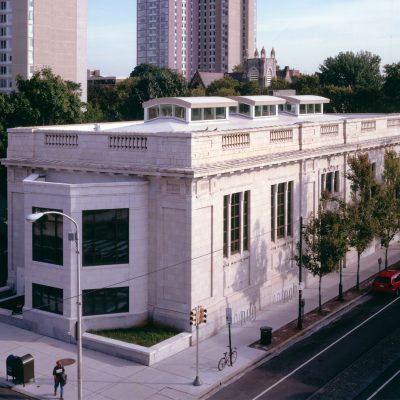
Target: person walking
{"points": [[59, 380]]}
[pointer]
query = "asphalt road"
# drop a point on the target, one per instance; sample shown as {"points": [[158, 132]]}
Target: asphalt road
{"points": [[351, 358]]}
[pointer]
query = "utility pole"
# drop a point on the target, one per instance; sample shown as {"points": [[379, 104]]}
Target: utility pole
{"points": [[229, 322], [301, 305]]}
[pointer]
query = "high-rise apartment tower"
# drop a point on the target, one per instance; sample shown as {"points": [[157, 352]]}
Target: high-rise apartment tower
{"points": [[190, 35], [42, 33]]}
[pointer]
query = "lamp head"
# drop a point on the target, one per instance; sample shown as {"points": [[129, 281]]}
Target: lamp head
{"points": [[34, 217]]}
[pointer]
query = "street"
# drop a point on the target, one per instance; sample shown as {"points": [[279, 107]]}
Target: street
{"points": [[8, 394], [351, 358]]}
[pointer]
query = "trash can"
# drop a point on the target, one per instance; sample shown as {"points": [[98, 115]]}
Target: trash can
{"points": [[10, 366], [24, 369], [266, 335]]}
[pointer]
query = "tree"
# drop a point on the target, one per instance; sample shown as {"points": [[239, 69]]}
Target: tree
{"points": [[391, 87], [307, 84], [225, 86], [341, 98], [360, 209], [238, 68], [147, 82], [352, 70], [45, 99], [278, 84], [387, 206], [325, 243]]}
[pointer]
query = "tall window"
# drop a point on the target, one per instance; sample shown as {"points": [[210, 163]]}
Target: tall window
{"points": [[47, 298], [330, 182], [281, 210], [236, 223], [105, 301], [47, 238], [105, 237]]}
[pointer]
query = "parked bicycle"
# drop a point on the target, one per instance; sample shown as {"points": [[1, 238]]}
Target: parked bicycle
{"points": [[226, 359]]}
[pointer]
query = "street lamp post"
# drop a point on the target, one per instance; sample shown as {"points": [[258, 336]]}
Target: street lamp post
{"points": [[72, 237]]}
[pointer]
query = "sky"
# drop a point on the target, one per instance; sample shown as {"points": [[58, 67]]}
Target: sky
{"points": [[304, 33]]}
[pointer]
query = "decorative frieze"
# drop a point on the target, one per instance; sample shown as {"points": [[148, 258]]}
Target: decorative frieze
{"points": [[236, 140], [368, 125], [127, 142], [61, 140], [281, 135], [329, 130], [391, 123]]}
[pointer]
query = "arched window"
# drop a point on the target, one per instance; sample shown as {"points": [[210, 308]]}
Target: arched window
{"points": [[269, 76], [253, 74]]}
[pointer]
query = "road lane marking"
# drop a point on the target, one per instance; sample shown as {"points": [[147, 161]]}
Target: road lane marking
{"points": [[323, 351], [382, 386]]}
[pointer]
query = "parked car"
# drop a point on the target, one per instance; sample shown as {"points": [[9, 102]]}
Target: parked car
{"points": [[387, 282]]}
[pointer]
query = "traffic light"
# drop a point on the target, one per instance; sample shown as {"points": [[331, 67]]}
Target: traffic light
{"points": [[203, 314], [193, 317]]}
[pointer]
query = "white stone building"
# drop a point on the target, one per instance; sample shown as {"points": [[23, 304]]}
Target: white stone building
{"points": [[198, 204]]}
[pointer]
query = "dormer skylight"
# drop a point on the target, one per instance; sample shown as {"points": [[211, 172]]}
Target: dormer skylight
{"points": [[303, 105], [188, 109], [256, 106]]}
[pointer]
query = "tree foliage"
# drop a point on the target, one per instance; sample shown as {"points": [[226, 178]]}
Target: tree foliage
{"points": [[325, 242], [391, 87], [361, 207], [387, 206], [352, 70], [45, 99], [225, 86]]}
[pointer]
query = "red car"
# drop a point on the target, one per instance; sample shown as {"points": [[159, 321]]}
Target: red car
{"points": [[387, 282]]}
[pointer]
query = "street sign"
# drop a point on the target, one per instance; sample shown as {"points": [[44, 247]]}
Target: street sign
{"points": [[229, 318]]}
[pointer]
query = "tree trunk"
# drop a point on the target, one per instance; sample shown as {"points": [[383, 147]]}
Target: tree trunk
{"points": [[386, 260], [358, 271], [319, 295]]}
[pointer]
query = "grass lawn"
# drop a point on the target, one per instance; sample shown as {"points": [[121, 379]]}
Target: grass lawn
{"points": [[146, 336]]}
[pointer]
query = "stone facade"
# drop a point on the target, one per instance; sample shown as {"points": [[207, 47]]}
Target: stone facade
{"points": [[214, 205]]}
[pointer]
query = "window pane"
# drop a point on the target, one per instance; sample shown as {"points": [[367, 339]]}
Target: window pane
{"points": [[246, 220], [179, 112], [273, 189], [105, 237], [244, 109], [289, 209], [153, 112], [318, 108], [166, 110], [328, 183], [257, 111], [105, 301], [196, 114], [235, 223], [47, 238], [209, 113], [281, 211], [336, 182], [302, 109], [310, 108], [47, 298], [220, 112], [226, 202]]}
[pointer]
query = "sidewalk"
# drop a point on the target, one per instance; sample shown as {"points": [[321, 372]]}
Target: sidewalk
{"points": [[106, 377]]}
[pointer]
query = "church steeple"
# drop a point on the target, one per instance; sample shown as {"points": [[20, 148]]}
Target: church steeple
{"points": [[263, 55], [256, 54], [273, 53]]}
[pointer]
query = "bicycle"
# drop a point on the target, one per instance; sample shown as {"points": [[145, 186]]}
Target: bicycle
{"points": [[226, 359]]}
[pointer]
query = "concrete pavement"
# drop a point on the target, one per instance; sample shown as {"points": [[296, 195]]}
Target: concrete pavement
{"points": [[106, 377]]}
